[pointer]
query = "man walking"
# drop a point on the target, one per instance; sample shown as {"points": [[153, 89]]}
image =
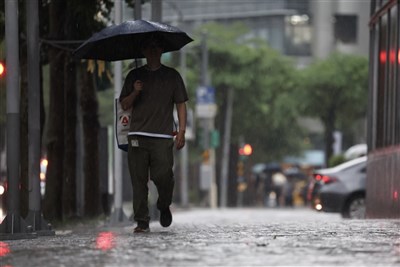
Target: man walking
{"points": [[152, 91]]}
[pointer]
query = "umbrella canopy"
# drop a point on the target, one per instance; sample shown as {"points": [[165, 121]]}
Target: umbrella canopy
{"points": [[272, 167], [124, 41]]}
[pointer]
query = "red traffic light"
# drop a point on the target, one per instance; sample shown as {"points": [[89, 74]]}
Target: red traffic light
{"points": [[246, 150], [2, 68]]}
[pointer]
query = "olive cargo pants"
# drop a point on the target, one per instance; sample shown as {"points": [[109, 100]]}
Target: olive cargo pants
{"points": [[150, 157]]}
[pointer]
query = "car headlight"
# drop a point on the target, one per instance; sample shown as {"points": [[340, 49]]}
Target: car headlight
{"points": [[2, 190]]}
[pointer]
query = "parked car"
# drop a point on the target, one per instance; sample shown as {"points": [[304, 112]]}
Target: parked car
{"points": [[341, 189]]}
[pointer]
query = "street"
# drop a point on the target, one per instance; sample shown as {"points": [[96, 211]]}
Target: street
{"points": [[219, 237]]}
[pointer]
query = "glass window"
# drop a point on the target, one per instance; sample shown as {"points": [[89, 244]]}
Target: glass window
{"points": [[374, 79], [302, 6], [381, 94], [298, 35], [397, 74], [346, 28], [393, 68]]}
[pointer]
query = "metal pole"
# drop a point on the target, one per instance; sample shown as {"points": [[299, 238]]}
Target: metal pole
{"points": [[208, 124], [226, 150], [156, 10], [204, 60], [13, 223], [118, 213], [35, 218], [240, 174], [138, 9], [184, 151]]}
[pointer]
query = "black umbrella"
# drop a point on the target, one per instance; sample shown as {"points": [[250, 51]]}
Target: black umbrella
{"points": [[272, 167], [124, 41]]}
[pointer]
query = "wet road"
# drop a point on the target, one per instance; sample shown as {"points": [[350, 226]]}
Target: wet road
{"points": [[222, 237]]}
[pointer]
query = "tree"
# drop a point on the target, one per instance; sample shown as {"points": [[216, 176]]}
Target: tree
{"points": [[335, 91], [52, 207], [265, 109], [264, 106], [71, 20]]}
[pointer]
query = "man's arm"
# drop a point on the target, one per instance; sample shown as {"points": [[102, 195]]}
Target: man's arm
{"points": [[127, 101], [180, 138]]}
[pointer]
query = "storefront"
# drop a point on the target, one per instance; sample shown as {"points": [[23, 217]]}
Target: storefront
{"points": [[383, 171]]}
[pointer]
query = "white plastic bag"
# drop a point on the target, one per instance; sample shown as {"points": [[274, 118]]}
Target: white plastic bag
{"points": [[122, 125]]}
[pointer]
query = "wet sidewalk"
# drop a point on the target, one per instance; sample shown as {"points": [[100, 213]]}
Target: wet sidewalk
{"points": [[222, 237]]}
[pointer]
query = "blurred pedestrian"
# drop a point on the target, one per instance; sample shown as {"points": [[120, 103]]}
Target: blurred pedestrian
{"points": [[279, 180], [153, 90]]}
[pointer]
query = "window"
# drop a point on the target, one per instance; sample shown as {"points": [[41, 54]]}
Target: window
{"points": [[382, 82], [346, 28], [393, 105], [298, 35]]}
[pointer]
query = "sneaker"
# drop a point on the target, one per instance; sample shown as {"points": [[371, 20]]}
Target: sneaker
{"points": [[142, 228], [165, 217]]}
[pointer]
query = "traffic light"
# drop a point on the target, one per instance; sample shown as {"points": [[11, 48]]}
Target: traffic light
{"points": [[2, 69], [246, 150]]}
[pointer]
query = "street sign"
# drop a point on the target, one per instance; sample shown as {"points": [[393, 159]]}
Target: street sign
{"points": [[204, 111], [205, 176], [205, 102], [205, 95]]}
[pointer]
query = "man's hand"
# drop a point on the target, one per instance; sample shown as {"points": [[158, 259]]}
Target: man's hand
{"points": [[127, 101], [180, 140]]}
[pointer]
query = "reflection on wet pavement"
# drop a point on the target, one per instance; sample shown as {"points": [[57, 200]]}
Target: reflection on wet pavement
{"points": [[105, 241], [230, 237]]}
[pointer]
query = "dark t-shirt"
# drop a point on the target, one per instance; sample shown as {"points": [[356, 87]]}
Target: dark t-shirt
{"points": [[152, 111]]}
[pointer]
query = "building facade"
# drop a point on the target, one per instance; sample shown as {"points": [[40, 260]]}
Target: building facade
{"points": [[383, 171]]}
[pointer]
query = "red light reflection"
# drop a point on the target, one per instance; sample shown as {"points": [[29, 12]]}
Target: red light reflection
{"points": [[396, 195], [392, 55], [105, 241], [382, 56], [4, 249]]}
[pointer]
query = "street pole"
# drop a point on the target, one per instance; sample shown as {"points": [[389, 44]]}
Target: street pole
{"points": [[138, 9], [208, 126], [156, 10], [226, 150], [240, 176], [13, 225], [118, 215], [185, 149], [35, 217]]}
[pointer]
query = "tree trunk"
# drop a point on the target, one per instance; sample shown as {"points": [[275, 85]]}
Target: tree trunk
{"points": [[329, 123], [52, 207], [69, 178], [89, 107]]}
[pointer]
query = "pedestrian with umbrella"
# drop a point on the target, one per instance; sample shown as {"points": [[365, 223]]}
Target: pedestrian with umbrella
{"points": [[151, 91]]}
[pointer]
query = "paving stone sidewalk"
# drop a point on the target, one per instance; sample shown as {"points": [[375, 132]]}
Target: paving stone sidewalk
{"points": [[221, 237]]}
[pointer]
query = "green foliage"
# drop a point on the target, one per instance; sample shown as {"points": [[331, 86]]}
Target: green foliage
{"points": [[336, 160], [265, 109], [339, 82], [335, 90]]}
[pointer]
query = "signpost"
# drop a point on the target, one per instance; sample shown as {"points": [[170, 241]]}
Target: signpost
{"points": [[206, 109]]}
